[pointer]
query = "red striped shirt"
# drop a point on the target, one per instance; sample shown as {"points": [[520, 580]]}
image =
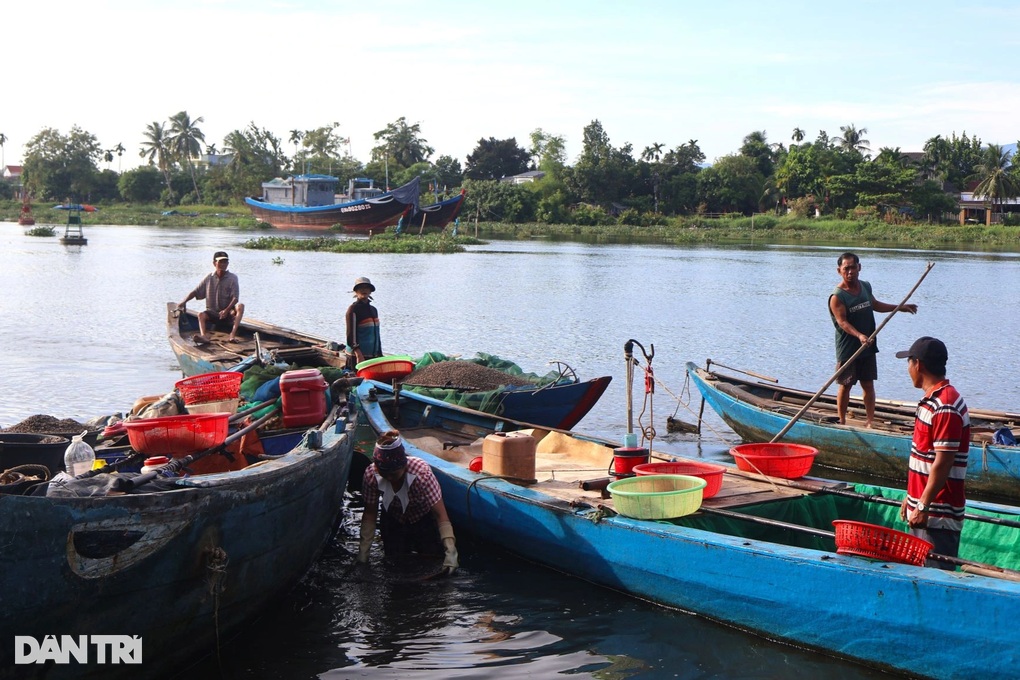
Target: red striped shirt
{"points": [[941, 424]]}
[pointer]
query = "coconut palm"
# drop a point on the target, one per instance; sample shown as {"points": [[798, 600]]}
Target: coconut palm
{"points": [[119, 149], [3, 158], [798, 135], [853, 139], [892, 156], [156, 150], [996, 181], [186, 142], [108, 157]]}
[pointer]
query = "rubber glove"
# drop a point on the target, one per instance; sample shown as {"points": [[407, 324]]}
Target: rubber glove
{"points": [[367, 536], [450, 562]]}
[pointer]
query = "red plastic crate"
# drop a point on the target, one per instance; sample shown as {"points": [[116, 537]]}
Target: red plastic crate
{"points": [[199, 389], [880, 543]]}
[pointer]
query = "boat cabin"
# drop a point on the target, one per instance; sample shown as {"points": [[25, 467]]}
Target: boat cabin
{"points": [[358, 193], [304, 190]]}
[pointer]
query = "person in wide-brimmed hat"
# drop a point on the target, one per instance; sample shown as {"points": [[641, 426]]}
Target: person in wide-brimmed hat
{"points": [[414, 518], [362, 319]]}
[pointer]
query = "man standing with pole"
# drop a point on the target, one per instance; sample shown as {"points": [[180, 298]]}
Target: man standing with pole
{"points": [[852, 309]]}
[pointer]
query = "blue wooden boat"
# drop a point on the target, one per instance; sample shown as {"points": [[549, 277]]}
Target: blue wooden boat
{"points": [[308, 202], [433, 218], [757, 411], [559, 405], [183, 562], [735, 560]]}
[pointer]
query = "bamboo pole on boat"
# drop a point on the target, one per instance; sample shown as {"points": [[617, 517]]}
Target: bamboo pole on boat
{"points": [[708, 367], [835, 375]]}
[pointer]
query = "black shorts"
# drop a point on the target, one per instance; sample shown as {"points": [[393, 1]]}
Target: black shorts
{"points": [[863, 369]]}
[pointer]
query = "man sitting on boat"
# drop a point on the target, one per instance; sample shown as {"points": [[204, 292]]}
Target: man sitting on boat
{"points": [[414, 518], [221, 292]]}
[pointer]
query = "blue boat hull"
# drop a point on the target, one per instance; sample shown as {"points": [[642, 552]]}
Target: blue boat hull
{"points": [[184, 569], [992, 471], [885, 615]]}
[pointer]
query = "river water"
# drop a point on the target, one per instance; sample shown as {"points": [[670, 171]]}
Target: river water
{"points": [[83, 333]]}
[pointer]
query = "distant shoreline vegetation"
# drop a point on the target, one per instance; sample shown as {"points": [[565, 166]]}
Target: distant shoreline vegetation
{"points": [[864, 231]]}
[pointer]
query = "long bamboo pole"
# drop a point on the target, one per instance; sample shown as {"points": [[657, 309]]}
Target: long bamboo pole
{"points": [[835, 375]]}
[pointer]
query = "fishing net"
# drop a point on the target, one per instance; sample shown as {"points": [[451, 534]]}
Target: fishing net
{"points": [[478, 383]]}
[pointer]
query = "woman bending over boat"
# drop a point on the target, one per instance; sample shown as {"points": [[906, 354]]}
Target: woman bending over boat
{"points": [[414, 518]]}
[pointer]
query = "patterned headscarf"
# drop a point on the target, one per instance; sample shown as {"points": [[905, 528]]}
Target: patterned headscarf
{"points": [[389, 453]]}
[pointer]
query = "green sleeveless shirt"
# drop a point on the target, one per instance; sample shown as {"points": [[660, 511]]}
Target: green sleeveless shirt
{"points": [[860, 315]]}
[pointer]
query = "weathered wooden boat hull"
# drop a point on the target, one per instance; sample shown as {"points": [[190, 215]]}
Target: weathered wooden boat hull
{"points": [[184, 569], [992, 470], [886, 615], [373, 214], [559, 406], [432, 219], [562, 405], [219, 355]]}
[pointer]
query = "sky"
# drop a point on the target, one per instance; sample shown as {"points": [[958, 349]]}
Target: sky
{"points": [[651, 72]]}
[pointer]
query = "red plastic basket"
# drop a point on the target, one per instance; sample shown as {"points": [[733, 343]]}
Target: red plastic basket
{"points": [[199, 389], [788, 461], [386, 369], [712, 474], [880, 543], [177, 435]]}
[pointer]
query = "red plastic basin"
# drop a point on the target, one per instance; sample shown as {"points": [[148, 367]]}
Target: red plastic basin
{"points": [[788, 461], [712, 474], [177, 435]]}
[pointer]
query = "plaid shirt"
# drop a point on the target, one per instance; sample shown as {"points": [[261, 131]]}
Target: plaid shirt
{"points": [[218, 293], [423, 494]]}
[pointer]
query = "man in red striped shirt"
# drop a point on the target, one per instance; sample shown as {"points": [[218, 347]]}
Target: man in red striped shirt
{"points": [[935, 501]]}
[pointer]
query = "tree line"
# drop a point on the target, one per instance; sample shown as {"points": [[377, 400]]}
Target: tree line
{"points": [[830, 175]]}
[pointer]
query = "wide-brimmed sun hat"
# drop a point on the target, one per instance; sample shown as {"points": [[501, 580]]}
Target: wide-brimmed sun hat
{"points": [[363, 281]]}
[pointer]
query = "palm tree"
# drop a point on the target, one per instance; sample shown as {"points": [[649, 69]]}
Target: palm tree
{"points": [[155, 149], [891, 156], [185, 142], [3, 158], [853, 139], [935, 161], [798, 135], [108, 157], [295, 138], [653, 153], [119, 149], [997, 183]]}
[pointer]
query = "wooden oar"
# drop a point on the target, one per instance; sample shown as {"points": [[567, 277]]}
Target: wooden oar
{"points": [[839, 370], [867, 497], [708, 367], [980, 567]]}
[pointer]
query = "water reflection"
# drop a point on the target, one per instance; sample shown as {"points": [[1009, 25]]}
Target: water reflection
{"points": [[83, 334]]}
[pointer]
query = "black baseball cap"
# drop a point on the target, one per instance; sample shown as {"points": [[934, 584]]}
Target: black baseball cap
{"points": [[929, 351]]}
